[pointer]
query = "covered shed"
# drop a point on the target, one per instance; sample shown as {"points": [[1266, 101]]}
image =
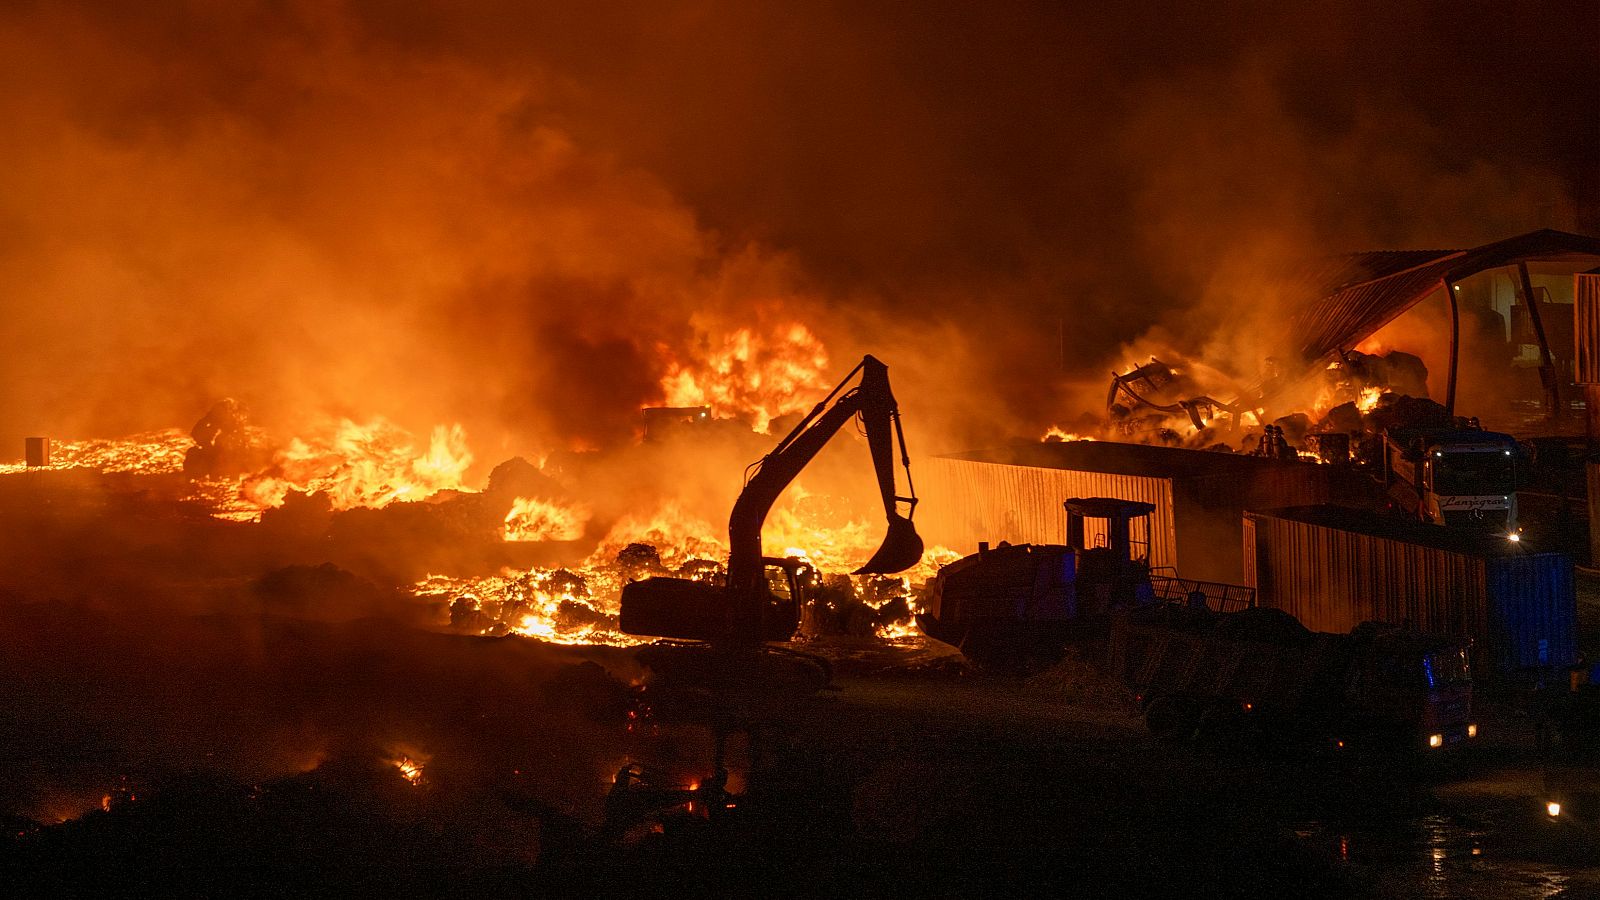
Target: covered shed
{"points": [[1015, 493], [1349, 298]]}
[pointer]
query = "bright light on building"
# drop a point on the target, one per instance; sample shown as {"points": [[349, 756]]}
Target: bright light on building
{"points": [[1436, 740], [1472, 730], [1553, 808]]}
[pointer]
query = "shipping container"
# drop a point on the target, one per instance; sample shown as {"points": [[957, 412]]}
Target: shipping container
{"points": [[1014, 493], [1334, 568]]}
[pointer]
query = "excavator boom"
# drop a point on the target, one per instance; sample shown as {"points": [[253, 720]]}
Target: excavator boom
{"points": [[745, 600], [874, 402]]}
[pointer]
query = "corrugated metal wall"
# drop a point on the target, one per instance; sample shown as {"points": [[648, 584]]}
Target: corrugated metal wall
{"points": [[1195, 526], [1333, 579], [964, 502], [1586, 328]]}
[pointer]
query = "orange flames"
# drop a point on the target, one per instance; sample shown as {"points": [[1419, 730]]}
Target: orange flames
{"points": [[1057, 433], [149, 453], [378, 463], [579, 605], [410, 769], [560, 606], [531, 519], [678, 534], [752, 376], [755, 375], [369, 465]]}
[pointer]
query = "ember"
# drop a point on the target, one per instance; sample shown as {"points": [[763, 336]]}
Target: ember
{"points": [[532, 519], [150, 453], [410, 770]]}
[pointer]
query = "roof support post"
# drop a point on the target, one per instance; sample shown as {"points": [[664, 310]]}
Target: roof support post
{"points": [[1547, 364], [1455, 346]]}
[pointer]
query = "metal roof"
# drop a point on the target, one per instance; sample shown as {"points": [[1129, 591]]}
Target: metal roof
{"points": [[1372, 524], [1358, 294], [1115, 458]]}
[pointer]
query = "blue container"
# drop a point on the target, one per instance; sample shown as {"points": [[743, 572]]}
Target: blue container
{"points": [[1532, 612]]}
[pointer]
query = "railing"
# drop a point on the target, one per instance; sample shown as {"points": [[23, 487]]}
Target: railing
{"points": [[1218, 596]]}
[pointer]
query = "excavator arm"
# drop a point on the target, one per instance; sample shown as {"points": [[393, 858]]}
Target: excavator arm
{"points": [[880, 415], [738, 612]]}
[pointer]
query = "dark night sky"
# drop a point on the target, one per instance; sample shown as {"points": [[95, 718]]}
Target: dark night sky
{"points": [[464, 186], [894, 140]]}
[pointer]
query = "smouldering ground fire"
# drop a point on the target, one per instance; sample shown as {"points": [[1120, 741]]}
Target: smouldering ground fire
{"points": [[376, 464]]}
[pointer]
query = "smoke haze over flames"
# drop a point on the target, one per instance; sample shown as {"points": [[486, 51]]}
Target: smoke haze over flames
{"points": [[534, 221]]}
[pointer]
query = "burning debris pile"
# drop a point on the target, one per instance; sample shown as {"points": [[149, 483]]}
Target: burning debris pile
{"points": [[1334, 414], [400, 512]]}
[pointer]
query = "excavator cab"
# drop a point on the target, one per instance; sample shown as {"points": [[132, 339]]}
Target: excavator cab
{"points": [[697, 610]]}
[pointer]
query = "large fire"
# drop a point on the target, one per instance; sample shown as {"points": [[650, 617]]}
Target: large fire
{"points": [[377, 464], [751, 375], [1275, 412], [150, 453], [532, 519], [370, 465]]}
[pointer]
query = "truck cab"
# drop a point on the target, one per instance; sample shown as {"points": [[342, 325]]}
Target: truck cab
{"points": [[1259, 677], [1455, 477], [1411, 688]]}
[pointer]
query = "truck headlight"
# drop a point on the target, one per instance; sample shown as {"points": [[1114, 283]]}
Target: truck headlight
{"points": [[1435, 740]]}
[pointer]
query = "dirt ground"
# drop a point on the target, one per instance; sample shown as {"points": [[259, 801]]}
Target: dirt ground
{"points": [[914, 777], [163, 735]]}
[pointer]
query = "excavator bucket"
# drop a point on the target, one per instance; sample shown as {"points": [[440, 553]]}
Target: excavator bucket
{"points": [[902, 549]]}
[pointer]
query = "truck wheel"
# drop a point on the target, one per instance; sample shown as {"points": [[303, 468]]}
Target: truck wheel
{"points": [[1167, 717]]}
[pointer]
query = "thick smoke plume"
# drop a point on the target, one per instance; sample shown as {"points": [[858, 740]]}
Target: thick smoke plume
{"points": [[523, 218]]}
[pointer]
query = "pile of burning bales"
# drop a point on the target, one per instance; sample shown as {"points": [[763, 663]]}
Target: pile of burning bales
{"points": [[367, 505], [1334, 415]]}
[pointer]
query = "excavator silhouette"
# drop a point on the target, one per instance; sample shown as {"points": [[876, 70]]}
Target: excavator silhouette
{"points": [[722, 663], [743, 612]]}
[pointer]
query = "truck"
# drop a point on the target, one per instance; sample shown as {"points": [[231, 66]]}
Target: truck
{"points": [[1259, 676], [1199, 656], [1456, 477]]}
